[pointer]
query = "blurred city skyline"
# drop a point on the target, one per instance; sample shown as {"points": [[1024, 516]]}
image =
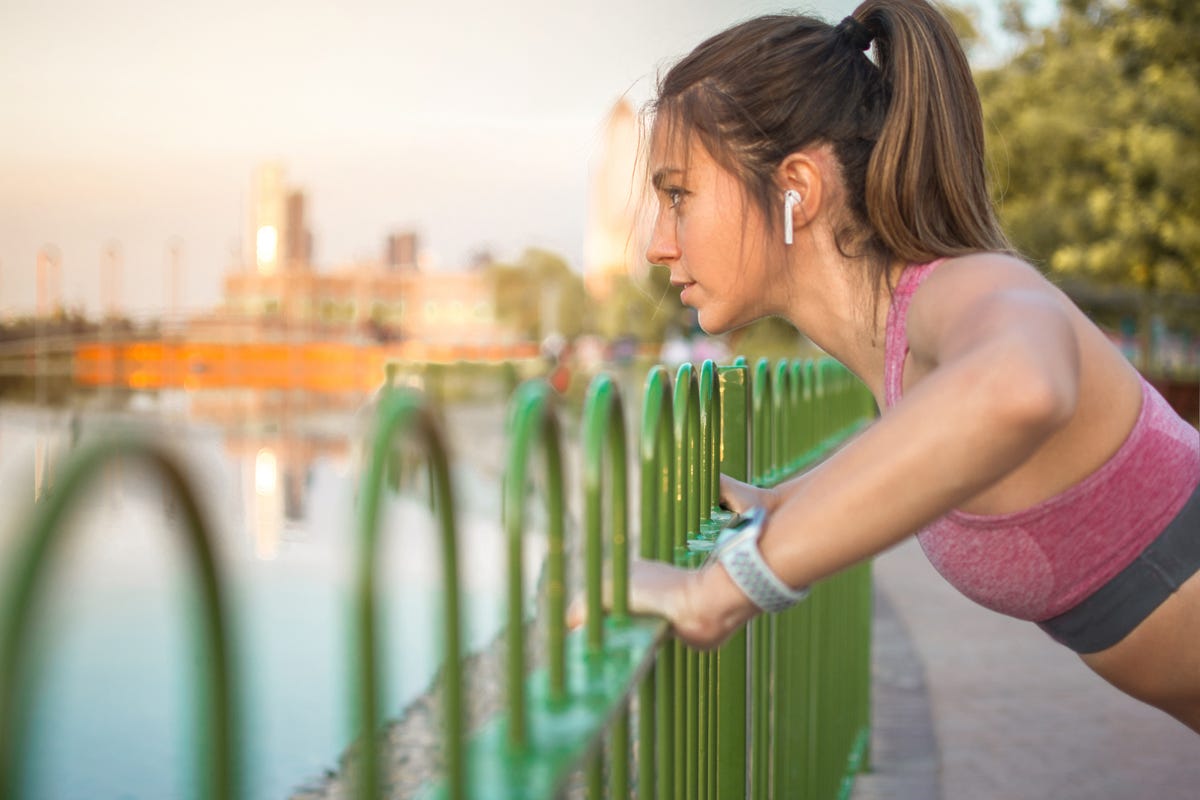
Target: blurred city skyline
{"points": [[139, 124]]}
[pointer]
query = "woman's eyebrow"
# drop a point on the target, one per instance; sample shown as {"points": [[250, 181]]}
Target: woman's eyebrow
{"points": [[660, 176]]}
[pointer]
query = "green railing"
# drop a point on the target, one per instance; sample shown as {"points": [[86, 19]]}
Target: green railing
{"points": [[781, 709], [216, 772]]}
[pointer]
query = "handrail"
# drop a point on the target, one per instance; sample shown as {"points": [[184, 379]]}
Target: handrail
{"points": [[217, 760]]}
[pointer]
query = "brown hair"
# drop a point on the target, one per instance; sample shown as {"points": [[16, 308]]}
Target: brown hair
{"points": [[907, 129]]}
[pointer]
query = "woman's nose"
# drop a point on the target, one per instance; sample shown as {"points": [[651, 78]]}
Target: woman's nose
{"points": [[664, 245]]}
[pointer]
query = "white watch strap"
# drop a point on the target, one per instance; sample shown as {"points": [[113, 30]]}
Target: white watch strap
{"points": [[750, 572]]}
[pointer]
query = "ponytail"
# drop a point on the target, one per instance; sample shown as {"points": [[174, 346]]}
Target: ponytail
{"points": [[926, 182]]}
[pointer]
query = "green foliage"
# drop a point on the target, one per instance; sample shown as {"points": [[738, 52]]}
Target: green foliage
{"points": [[644, 309], [965, 22], [1092, 136], [539, 295]]}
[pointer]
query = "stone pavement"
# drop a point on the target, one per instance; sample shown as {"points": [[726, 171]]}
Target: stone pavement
{"points": [[1013, 714]]}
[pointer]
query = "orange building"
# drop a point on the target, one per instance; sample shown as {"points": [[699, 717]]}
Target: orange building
{"points": [[371, 301]]}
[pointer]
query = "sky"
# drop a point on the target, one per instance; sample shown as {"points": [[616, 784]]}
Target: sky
{"points": [[137, 124]]}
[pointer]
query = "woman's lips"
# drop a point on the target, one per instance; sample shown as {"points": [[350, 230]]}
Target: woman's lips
{"points": [[685, 286]]}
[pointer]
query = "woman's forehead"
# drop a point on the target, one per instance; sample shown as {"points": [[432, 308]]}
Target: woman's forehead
{"points": [[671, 147]]}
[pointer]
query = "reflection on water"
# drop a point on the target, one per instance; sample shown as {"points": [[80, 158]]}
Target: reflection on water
{"points": [[275, 473]]}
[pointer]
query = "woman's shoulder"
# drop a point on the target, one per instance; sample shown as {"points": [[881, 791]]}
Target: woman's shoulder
{"points": [[998, 270], [961, 286]]}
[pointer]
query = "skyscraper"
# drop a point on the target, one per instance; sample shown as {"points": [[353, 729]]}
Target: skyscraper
{"points": [[613, 238], [278, 239]]}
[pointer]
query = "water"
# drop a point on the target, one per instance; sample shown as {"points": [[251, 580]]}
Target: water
{"points": [[113, 713]]}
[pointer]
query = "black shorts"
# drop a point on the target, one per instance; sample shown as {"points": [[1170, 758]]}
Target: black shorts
{"points": [[1111, 613]]}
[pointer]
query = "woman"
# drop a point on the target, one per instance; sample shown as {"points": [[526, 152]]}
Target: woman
{"points": [[1044, 477]]}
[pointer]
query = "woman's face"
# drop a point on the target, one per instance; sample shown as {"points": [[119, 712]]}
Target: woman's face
{"points": [[708, 236]]}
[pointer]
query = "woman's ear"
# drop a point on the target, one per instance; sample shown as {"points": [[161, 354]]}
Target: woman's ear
{"points": [[803, 173]]}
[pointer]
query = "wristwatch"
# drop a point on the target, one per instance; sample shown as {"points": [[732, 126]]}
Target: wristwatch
{"points": [[737, 550]]}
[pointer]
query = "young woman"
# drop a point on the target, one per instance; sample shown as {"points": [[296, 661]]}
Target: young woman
{"points": [[797, 176]]}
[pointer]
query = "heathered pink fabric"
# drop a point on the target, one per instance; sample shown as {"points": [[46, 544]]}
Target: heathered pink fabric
{"points": [[1041, 561]]}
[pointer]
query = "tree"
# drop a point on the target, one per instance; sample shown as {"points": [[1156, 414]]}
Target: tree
{"points": [[539, 295], [1092, 137], [645, 308]]}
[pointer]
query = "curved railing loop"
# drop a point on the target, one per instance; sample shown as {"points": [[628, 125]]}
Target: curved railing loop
{"points": [[402, 412], [657, 474], [760, 417], [533, 419], [604, 428], [801, 425], [781, 421], [686, 408], [714, 518], [217, 764]]}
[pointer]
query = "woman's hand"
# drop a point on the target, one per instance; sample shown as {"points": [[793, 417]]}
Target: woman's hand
{"points": [[738, 496], [704, 607]]}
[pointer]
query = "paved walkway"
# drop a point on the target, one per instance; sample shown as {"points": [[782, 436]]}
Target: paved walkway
{"points": [[1013, 714]]}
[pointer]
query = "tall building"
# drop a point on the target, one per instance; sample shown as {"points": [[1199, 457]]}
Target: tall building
{"points": [[279, 291], [614, 239], [277, 235], [400, 252]]}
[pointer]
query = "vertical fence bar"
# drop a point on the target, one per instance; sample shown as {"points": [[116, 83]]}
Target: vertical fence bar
{"points": [[656, 769], [710, 431], [687, 494], [732, 676], [780, 687], [760, 633]]}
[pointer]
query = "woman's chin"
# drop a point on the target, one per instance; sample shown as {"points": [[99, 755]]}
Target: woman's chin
{"points": [[711, 324], [714, 323]]}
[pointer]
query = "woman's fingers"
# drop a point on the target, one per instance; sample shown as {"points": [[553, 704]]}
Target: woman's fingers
{"points": [[577, 612], [736, 495], [700, 616], [577, 608], [652, 589]]}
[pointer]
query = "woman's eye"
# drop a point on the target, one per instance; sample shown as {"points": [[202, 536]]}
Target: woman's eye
{"points": [[675, 196]]}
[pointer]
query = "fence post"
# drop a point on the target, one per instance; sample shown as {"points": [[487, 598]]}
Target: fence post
{"points": [[656, 741], [687, 524], [732, 710]]}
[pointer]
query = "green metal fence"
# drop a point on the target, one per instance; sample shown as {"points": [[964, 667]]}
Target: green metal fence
{"points": [[780, 710]]}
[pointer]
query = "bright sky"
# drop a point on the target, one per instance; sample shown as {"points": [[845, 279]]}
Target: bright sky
{"points": [[136, 121]]}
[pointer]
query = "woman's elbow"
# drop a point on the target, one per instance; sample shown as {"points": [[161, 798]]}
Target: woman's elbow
{"points": [[1038, 400]]}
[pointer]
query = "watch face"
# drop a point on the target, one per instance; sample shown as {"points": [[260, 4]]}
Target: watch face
{"points": [[746, 527]]}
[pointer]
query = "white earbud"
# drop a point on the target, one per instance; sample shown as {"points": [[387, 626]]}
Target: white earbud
{"points": [[791, 198]]}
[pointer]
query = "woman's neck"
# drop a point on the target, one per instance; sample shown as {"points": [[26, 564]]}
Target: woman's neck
{"points": [[833, 307]]}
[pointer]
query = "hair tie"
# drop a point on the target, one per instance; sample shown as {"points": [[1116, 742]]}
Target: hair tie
{"points": [[855, 33]]}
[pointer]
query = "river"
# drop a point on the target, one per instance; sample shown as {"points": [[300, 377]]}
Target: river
{"points": [[115, 689]]}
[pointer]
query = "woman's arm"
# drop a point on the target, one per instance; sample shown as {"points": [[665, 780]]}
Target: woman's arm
{"points": [[1002, 377]]}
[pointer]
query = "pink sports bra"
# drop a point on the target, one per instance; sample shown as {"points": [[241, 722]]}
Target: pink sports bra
{"points": [[1041, 561]]}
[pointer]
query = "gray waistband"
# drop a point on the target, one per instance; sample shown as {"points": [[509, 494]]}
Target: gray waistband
{"points": [[1110, 613]]}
